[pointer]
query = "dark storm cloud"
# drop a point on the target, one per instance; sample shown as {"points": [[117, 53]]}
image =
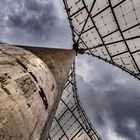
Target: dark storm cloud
{"points": [[122, 108], [34, 22], [110, 96], [34, 18]]}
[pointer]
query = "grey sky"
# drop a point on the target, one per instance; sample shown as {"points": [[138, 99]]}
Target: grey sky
{"points": [[110, 97], [33, 22]]}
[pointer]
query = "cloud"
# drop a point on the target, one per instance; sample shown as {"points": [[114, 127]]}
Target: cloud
{"points": [[110, 97], [34, 22]]}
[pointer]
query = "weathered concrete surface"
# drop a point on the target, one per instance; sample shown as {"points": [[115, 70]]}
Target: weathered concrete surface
{"points": [[59, 62], [30, 90]]}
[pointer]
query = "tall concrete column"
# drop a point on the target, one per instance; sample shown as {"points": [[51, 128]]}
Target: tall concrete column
{"points": [[31, 84]]}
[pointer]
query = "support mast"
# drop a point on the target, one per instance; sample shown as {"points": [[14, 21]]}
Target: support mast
{"points": [[31, 84]]}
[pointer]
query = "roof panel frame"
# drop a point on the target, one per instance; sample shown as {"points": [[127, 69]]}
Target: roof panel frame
{"points": [[114, 15], [89, 12], [77, 113], [86, 19]]}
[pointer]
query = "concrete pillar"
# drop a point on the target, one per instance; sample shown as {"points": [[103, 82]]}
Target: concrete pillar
{"points": [[31, 84]]}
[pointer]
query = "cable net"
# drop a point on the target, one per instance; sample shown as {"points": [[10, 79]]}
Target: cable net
{"points": [[109, 30], [71, 122]]}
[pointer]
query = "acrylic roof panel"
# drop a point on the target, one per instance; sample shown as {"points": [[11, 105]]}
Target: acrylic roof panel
{"points": [[70, 121], [108, 29]]}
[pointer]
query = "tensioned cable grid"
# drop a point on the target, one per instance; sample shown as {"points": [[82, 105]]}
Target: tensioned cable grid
{"points": [[71, 122], [108, 29]]}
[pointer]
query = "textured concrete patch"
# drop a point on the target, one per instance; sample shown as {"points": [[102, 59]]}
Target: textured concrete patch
{"points": [[27, 85]]}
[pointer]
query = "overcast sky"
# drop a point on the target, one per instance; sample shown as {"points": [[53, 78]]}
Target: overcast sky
{"points": [[110, 97]]}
